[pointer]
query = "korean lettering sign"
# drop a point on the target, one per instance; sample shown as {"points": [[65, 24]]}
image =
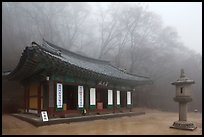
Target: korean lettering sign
{"points": [[129, 98], [110, 97], [44, 116], [80, 96], [59, 95], [92, 96]]}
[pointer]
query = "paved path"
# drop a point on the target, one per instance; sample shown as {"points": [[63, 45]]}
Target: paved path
{"points": [[152, 123]]}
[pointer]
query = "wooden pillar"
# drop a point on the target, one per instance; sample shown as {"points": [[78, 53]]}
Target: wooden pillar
{"points": [[114, 99], [52, 99], [86, 90], [26, 96], [39, 98], [131, 99]]}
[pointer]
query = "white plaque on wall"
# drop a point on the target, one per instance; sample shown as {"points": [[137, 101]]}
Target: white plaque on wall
{"points": [[59, 95], [92, 96], [110, 97], [80, 96], [33, 111], [129, 98], [118, 97]]}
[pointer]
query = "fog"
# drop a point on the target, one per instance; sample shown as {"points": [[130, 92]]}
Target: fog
{"points": [[131, 36], [185, 17]]}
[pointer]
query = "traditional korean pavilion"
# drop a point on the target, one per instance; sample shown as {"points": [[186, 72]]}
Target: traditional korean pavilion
{"points": [[62, 82]]}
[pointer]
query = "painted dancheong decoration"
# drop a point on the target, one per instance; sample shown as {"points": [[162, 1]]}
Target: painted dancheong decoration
{"points": [[183, 96]]}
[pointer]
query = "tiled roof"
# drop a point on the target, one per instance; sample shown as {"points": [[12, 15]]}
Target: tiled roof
{"points": [[99, 67]]}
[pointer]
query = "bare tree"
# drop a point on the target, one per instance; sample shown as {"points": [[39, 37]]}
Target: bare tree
{"points": [[107, 32], [73, 23]]}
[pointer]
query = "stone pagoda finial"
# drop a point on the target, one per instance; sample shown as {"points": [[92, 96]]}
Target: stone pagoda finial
{"points": [[182, 73]]}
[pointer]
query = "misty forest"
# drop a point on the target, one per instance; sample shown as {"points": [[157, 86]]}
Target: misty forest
{"points": [[130, 36]]}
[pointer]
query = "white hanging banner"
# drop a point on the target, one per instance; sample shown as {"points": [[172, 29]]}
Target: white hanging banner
{"points": [[110, 97], [118, 97], [80, 96], [129, 98], [59, 95], [92, 96]]}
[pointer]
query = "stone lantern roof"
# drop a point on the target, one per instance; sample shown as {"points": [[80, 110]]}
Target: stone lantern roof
{"points": [[183, 79]]}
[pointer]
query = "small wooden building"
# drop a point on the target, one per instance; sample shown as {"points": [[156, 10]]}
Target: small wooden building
{"points": [[62, 82]]}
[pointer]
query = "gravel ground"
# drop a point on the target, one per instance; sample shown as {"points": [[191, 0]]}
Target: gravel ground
{"points": [[154, 122]]}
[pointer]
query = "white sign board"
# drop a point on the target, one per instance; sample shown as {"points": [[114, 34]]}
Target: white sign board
{"points": [[92, 96], [129, 98], [59, 95], [118, 97], [44, 116], [80, 96], [110, 97]]}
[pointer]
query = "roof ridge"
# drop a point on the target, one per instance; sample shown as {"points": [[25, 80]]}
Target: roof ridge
{"points": [[137, 75], [124, 70], [73, 53]]}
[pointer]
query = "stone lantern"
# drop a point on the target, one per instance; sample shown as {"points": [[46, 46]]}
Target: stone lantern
{"points": [[183, 96]]}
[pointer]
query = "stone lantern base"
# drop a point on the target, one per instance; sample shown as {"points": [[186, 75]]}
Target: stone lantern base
{"points": [[185, 125]]}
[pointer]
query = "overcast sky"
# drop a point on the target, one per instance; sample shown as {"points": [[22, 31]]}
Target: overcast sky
{"points": [[185, 17]]}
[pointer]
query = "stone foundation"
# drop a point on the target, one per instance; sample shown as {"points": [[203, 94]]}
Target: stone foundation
{"points": [[185, 125]]}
